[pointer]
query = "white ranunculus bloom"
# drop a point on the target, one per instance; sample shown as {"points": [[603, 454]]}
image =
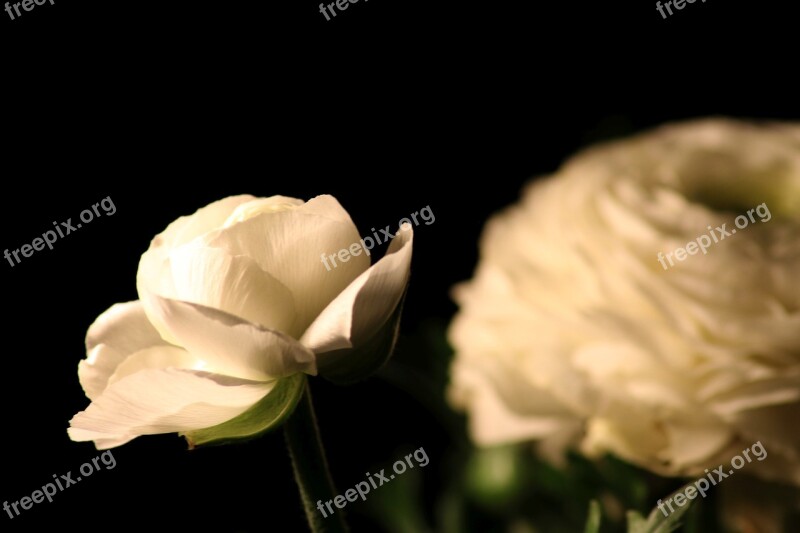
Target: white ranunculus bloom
{"points": [[231, 299], [573, 334]]}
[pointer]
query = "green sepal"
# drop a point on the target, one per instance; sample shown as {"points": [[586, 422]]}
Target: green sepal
{"points": [[269, 413]]}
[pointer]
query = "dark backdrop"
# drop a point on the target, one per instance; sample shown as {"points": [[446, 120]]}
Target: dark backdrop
{"points": [[391, 107]]}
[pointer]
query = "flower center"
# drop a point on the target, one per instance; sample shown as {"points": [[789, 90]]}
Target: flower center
{"points": [[727, 191]]}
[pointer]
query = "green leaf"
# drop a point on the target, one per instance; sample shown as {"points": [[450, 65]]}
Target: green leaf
{"points": [[593, 522], [350, 365], [267, 414], [656, 521], [636, 523]]}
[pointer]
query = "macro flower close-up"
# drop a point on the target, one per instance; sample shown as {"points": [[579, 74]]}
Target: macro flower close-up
{"points": [[381, 267], [233, 300], [573, 331], [643, 302]]}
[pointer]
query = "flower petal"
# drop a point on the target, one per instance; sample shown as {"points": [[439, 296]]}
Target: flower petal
{"points": [[235, 284], [118, 333], [158, 357], [259, 206], [493, 420], [153, 273], [230, 345], [205, 219], [290, 244], [366, 304], [167, 400]]}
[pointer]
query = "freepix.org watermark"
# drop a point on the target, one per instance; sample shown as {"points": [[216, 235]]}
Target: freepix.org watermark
{"points": [[62, 482], [701, 485], [341, 4], [677, 4], [703, 242], [49, 237], [356, 248], [27, 5], [362, 488]]}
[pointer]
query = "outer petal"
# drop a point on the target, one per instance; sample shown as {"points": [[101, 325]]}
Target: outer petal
{"points": [[367, 303], [168, 400], [230, 345], [205, 219], [120, 332], [289, 245], [174, 267], [235, 284], [153, 270], [325, 206]]}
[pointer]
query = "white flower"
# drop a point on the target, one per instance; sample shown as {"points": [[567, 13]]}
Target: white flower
{"points": [[572, 334], [231, 299]]}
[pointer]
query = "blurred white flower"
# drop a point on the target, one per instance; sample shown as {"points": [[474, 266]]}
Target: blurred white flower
{"points": [[572, 334], [231, 299]]}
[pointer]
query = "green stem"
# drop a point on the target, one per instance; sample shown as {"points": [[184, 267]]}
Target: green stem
{"points": [[311, 468]]}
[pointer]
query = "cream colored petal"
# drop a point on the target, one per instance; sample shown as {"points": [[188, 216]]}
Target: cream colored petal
{"points": [[230, 345], [367, 303], [290, 245], [118, 333], [234, 284], [170, 400]]}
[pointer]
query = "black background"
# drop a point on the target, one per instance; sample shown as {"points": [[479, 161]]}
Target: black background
{"points": [[391, 106]]}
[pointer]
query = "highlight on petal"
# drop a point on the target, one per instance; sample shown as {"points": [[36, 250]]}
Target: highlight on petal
{"points": [[230, 345], [166, 400]]}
